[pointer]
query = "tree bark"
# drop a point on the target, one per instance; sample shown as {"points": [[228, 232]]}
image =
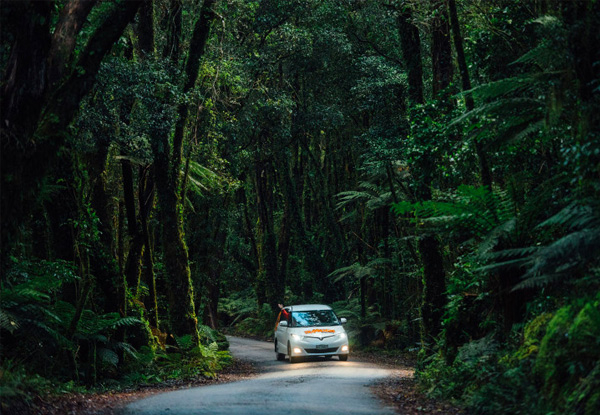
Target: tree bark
{"points": [[146, 202], [197, 46], [410, 42], [29, 110], [268, 271], [172, 48], [434, 278], [441, 49], [484, 169], [145, 29], [133, 265], [70, 21], [168, 180]]}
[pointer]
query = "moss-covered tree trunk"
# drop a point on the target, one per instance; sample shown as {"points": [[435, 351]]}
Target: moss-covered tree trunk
{"points": [[133, 266], [34, 115], [484, 168], [168, 164], [434, 278], [269, 280]]}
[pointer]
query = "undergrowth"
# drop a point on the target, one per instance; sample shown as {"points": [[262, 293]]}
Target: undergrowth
{"points": [[552, 365]]}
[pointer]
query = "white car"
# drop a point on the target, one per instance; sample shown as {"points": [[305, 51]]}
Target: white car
{"points": [[310, 330]]}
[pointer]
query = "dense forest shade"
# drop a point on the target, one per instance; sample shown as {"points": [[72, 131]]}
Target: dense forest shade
{"points": [[171, 168]]}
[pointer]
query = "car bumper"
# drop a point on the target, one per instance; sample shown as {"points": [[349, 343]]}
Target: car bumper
{"points": [[319, 348]]}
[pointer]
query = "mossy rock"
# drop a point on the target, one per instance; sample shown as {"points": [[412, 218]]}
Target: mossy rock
{"points": [[532, 336]]}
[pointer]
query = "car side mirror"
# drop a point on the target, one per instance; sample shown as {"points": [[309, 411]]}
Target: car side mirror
{"points": [[343, 320], [283, 323]]}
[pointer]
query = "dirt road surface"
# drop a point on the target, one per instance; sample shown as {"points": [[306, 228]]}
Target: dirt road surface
{"points": [[316, 386]]}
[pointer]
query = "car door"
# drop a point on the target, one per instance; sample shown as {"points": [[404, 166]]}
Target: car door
{"points": [[281, 332]]}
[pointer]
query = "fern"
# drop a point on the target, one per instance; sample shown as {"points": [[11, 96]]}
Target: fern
{"points": [[358, 271], [108, 356], [566, 258], [370, 194], [185, 342], [474, 211]]}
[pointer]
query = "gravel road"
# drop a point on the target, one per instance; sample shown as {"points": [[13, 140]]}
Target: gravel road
{"points": [[317, 386]]}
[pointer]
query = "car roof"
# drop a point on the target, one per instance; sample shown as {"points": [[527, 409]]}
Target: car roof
{"points": [[308, 307]]}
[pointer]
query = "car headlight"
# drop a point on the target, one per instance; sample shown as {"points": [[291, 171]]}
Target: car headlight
{"points": [[343, 336], [296, 337]]}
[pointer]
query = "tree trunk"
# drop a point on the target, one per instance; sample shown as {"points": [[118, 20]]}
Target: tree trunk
{"points": [[410, 42], [29, 109], [434, 282], [441, 49], [268, 270], [70, 21], [133, 265], [173, 29], [182, 311], [484, 169], [168, 180], [146, 202], [145, 28]]}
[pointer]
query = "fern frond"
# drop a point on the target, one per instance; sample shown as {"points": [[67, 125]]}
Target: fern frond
{"points": [[107, 356], [125, 322], [8, 321], [510, 264], [491, 240], [511, 253], [539, 281], [497, 89], [127, 348], [570, 249], [351, 196], [502, 106], [184, 342], [574, 216], [201, 178]]}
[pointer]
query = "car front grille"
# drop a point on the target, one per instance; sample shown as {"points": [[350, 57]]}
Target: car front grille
{"points": [[316, 351], [318, 338]]}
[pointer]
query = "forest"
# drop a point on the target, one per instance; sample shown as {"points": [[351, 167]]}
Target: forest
{"points": [[172, 170]]}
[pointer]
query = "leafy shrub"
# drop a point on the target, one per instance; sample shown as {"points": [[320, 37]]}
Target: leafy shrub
{"points": [[555, 367], [54, 337], [261, 324], [17, 385], [569, 356]]}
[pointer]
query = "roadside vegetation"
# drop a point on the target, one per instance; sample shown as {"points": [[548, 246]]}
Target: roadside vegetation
{"points": [[173, 169]]}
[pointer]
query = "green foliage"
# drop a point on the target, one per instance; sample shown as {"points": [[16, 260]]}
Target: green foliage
{"points": [[17, 385], [470, 211], [40, 327], [569, 355], [553, 365], [238, 306], [260, 324], [185, 361], [357, 271]]}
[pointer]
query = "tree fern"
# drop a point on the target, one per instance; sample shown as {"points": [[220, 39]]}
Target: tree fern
{"points": [[357, 271], [473, 211], [565, 258], [572, 254]]}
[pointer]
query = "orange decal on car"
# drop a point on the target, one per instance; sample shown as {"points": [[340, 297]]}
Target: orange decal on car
{"points": [[319, 331]]}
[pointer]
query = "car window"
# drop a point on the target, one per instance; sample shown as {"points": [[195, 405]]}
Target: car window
{"points": [[314, 318]]}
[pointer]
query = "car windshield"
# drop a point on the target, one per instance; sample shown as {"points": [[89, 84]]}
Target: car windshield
{"points": [[314, 318]]}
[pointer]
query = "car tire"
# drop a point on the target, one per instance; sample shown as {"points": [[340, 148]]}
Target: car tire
{"points": [[343, 357], [280, 356], [292, 359]]}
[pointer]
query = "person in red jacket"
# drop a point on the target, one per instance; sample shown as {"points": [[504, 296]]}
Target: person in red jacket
{"points": [[283, 315]]}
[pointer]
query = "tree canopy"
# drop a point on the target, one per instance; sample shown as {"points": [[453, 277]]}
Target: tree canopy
{"points": [[431, 169]]}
